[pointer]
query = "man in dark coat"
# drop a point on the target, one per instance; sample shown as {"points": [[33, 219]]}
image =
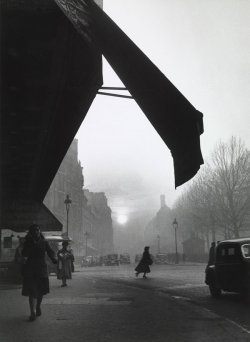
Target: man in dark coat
{"points": [[35, 272]]}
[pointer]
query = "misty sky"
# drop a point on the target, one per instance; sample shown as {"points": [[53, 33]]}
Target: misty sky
{"points": [[202, 46]]}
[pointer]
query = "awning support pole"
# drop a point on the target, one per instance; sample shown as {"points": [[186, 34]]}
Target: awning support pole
{"points": [[116, 95]]}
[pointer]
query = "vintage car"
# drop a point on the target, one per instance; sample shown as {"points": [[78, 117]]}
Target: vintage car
{"points": [[111, 260], [231, 268], [138, 258], [161, 259], [91, 260], [124, 259], [55, 242]]}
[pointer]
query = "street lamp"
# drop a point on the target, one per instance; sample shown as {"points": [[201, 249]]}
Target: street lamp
{"points": [[159, 238], [86, 243], [67, 203], [175, 226]]}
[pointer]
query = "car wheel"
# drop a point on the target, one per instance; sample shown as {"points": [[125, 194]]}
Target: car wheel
{"points": [[215, 291]]}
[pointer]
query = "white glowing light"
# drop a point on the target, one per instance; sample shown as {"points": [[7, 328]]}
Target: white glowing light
{"points": [[122, 219]]}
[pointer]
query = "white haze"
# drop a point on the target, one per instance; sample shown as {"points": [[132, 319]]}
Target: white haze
{"points": [[203, 48]]}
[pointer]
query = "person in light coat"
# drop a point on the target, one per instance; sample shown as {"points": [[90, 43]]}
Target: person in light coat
{"points": [[64, 265]]}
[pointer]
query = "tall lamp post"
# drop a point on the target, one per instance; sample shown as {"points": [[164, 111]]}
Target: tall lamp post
{"points": [[67, 203], [86, 243], [175, 226], [159, 246]]}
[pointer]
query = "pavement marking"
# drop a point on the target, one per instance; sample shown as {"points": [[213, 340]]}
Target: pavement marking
{"points": [[180, 297], [88, 301], [213, 315], [185, 286], [238, 325], [102, 294]]}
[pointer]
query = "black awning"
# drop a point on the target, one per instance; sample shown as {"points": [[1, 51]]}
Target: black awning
{"points": [[175, 119], [18, 215]]}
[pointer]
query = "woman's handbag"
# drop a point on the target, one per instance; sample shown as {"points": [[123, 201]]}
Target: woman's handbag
{"points": [[150, 261]]}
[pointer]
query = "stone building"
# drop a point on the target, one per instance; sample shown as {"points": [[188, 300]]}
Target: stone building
{"points": [[159, 233], [99, 229], [194, 249], [88, 213]]}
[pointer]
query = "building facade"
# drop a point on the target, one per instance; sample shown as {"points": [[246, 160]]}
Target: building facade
{"points": [[159, 233], [89, 217]]}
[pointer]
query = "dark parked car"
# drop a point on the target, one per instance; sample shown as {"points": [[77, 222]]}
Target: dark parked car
{"points": [[231, 269]]}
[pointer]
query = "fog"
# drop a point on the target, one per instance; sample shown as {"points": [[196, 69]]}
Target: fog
{"points": [[203, 48]]}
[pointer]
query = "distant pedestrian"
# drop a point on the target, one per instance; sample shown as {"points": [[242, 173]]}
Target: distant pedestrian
{"points": [[143, 266], [19, 259], [35, 274], [65, 261], [72, 261]]}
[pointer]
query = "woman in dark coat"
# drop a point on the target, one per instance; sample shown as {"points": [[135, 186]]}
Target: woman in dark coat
{"points": [[35, 273], [143, 266]]}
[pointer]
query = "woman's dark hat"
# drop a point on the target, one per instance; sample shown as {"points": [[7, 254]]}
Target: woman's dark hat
{"points": [[33, 228]]}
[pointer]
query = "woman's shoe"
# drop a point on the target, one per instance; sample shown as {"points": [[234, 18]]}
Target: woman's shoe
{"points": [[32, 317], [38, 312]]}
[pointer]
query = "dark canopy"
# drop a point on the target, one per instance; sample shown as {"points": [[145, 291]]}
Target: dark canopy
{"points": [[49, 78], [178, 123]]}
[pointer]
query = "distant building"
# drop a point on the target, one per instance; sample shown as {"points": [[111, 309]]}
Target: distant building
{"points": [[88, 212], [159, 231], [194, 249], [100, 229]]}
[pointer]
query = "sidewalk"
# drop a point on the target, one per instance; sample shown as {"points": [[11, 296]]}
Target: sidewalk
{"points": [[93, 310]]}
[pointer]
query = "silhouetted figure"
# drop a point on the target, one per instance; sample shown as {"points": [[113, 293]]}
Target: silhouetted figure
{"points": [[35, 273], [65, 261], [143, 266], [211, 258]]}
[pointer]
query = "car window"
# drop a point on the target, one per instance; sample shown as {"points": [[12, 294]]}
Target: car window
{"points": [[231, 251], [228, 254], [245, 251]]}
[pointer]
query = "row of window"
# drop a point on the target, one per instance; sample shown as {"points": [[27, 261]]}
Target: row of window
{"points": [[233, 253]]}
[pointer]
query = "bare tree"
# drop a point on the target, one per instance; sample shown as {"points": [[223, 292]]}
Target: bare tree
{"points": [[231, 177], [217, 203], [196, 207]]}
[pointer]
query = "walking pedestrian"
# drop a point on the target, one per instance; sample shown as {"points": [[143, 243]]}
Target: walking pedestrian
{"points": [[143, 266], [35, 273], [64, 266]]}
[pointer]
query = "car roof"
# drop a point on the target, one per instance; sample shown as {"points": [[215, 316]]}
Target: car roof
{"points": [[236, 241], [56, 238]]}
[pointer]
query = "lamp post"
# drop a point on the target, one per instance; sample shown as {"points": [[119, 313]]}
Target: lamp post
{"points": [[175, 226], [86, 243], [67, 203], [159, 248]]}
